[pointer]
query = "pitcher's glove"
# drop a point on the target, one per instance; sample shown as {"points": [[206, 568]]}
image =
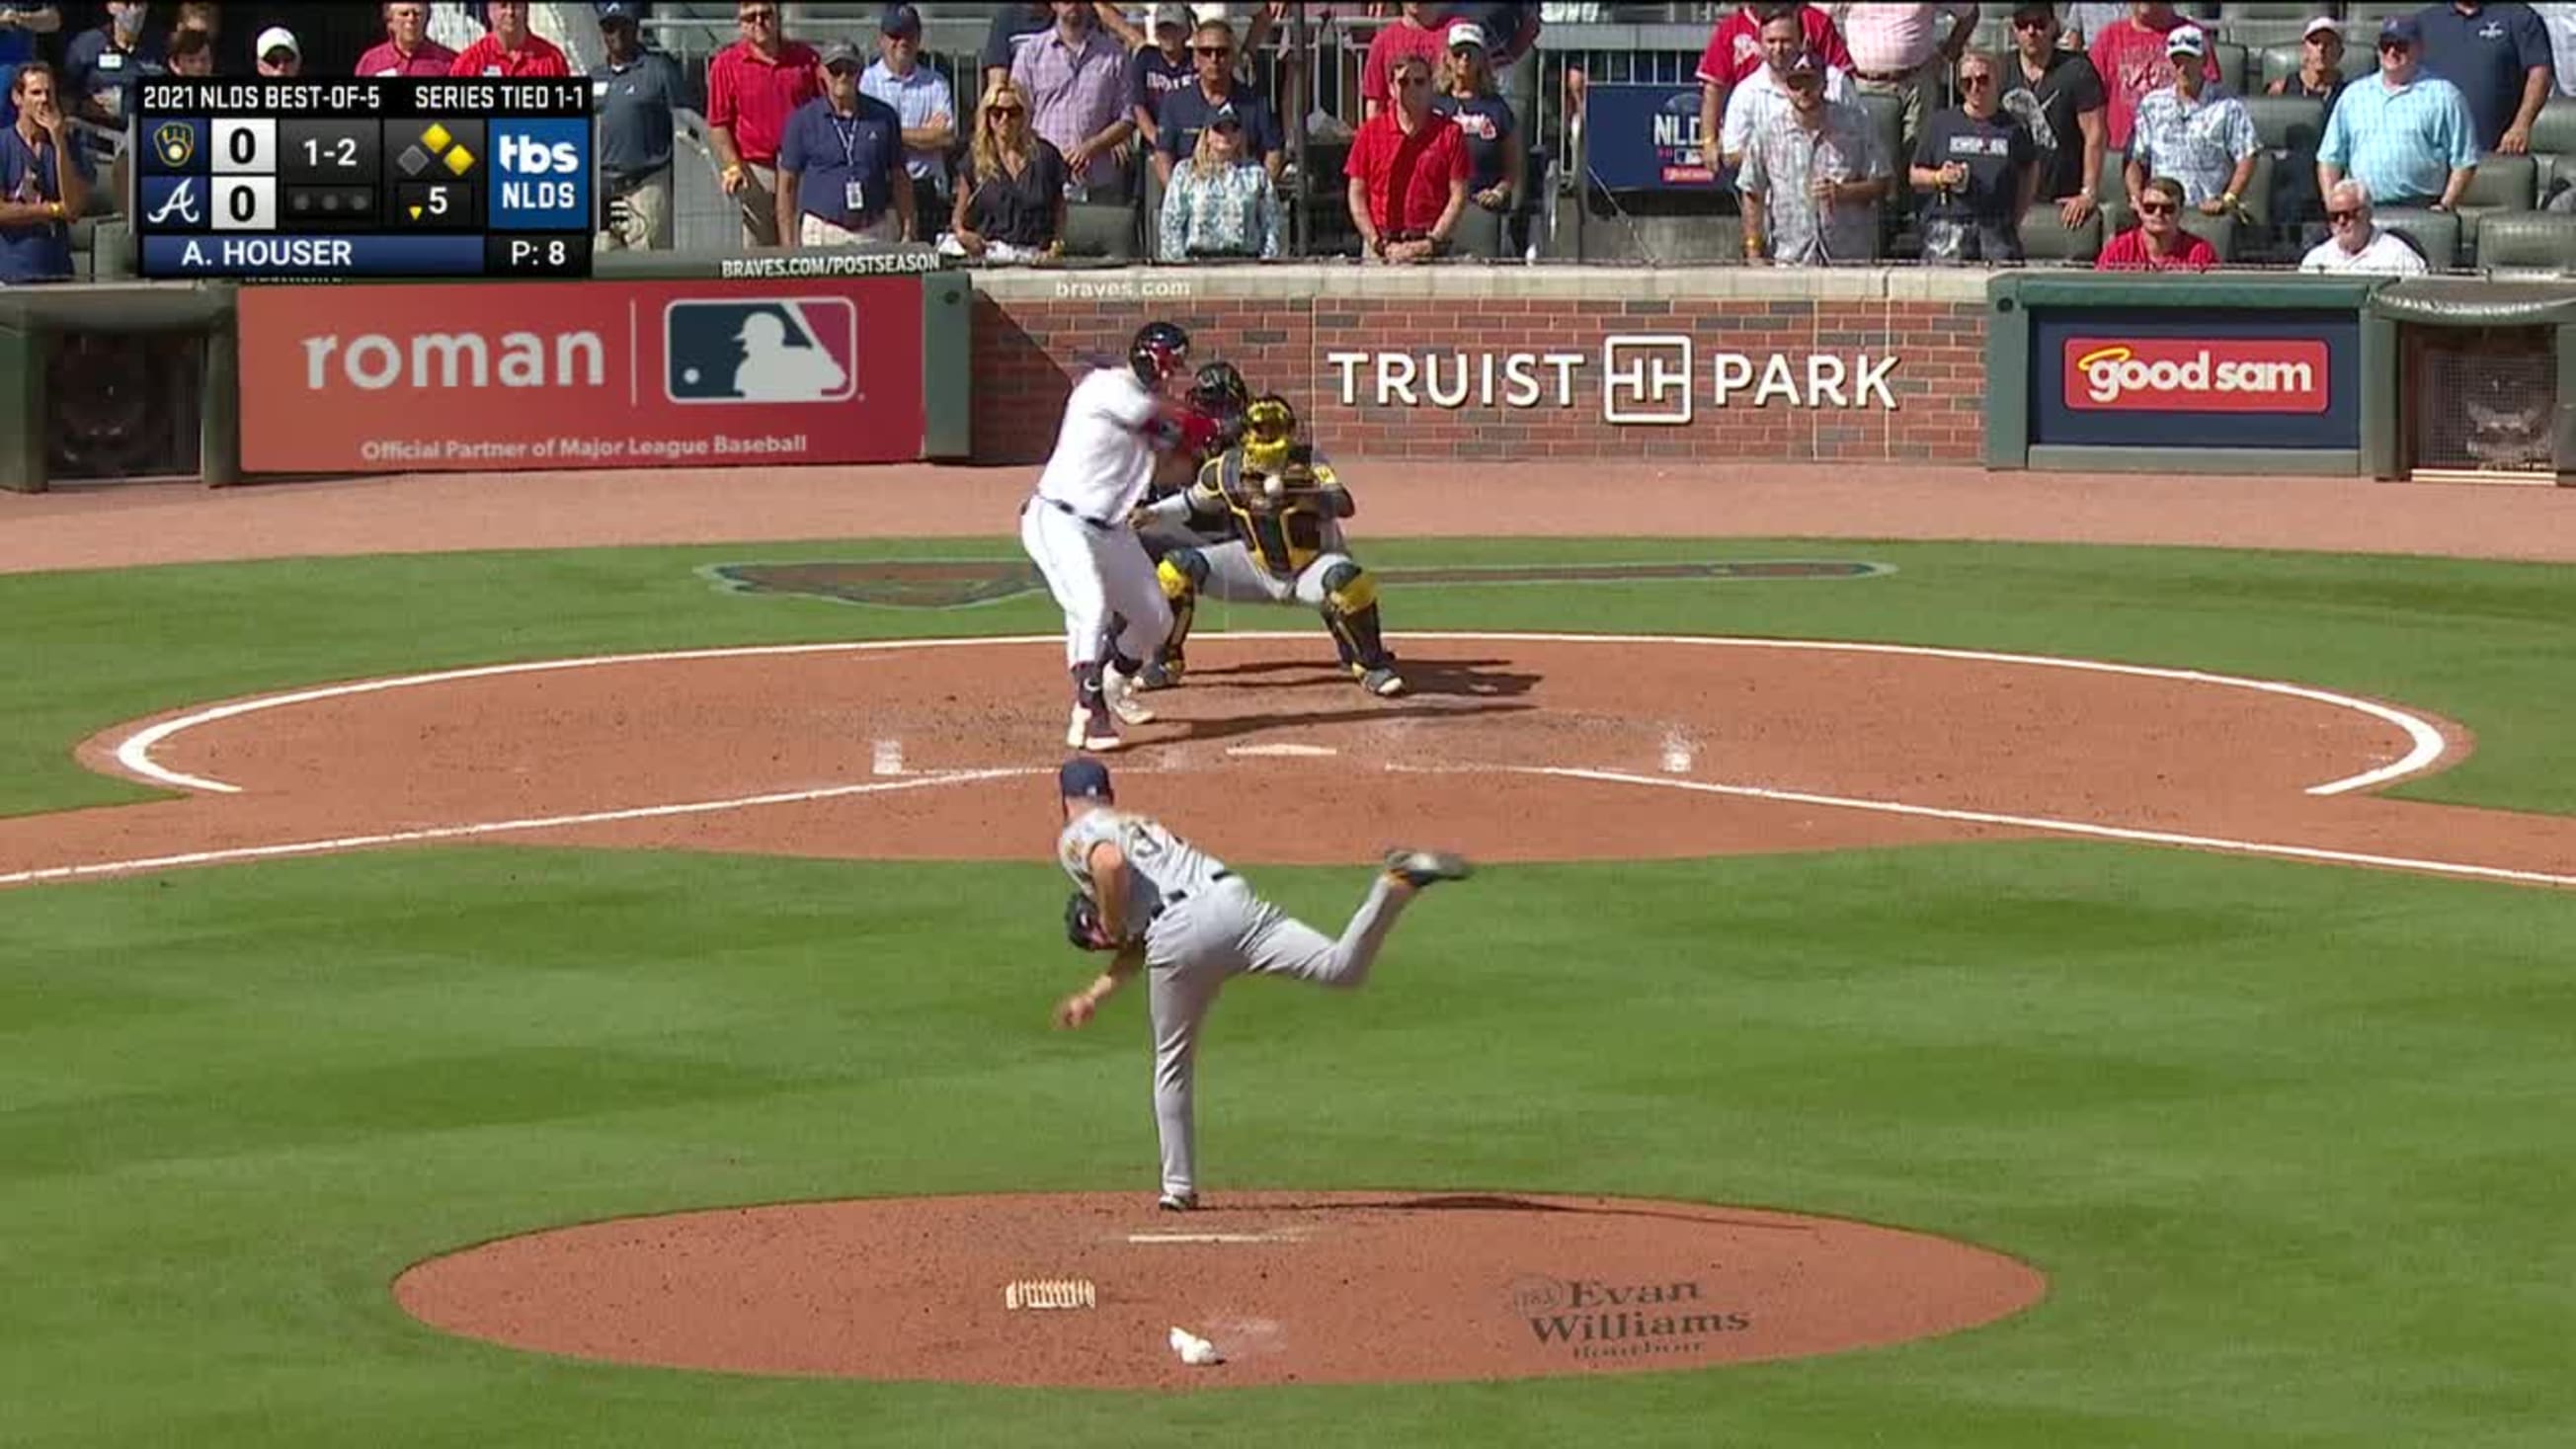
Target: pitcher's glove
{"points": [[1082, 924]]}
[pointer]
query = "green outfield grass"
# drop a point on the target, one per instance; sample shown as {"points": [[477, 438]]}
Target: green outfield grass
{"points": [[2290, 1141]]}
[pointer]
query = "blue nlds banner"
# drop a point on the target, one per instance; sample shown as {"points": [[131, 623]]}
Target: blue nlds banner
{"points": [[1646, 138]]}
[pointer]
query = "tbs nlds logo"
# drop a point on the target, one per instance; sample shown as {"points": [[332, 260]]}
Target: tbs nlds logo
{"points": [[540, 176]]}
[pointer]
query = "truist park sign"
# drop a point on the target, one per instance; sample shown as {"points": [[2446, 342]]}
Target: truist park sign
{"points": [[1639, 379]]}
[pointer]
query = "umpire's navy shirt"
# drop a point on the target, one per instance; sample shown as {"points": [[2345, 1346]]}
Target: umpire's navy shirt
{"points": [[2486, 55], [827, 151], [1186, 111], [635, 103]]}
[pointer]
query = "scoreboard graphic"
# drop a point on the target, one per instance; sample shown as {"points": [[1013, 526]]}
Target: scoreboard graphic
{"points": [[375, 177]]}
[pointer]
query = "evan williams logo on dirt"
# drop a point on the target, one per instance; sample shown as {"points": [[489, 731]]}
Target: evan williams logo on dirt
{"points": [[1599, 1318], [2196, 375]]}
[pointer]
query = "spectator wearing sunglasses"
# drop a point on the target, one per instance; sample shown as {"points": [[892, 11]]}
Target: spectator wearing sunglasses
{"points": [[1187, 111], [2405, 135], [753, 86], [2157, 243], [2133, 58], [1220, 202], [1419, 29], [840, 163], [1010, 198], [1407, 173], [1465, 93], [2057, 94], [2499, 57], [2358, 244], [1980, 166], [2320, 74], [2200, 137]]}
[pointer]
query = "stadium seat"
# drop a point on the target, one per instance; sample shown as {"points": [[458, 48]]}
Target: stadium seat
{"points": [[2263, 25], [1887, 114], [2234, 64], [1103, 230], [2045, 238], [2435, 234], [2503, 183], [2112, 189], [2219, 231], [2553, 146], [2533, 241], [2361, 17], [1479, 234], [2256, 203], [2288, 123]]}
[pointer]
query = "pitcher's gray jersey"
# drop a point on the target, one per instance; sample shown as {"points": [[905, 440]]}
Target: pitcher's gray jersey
{"points": [[1159, 863]]}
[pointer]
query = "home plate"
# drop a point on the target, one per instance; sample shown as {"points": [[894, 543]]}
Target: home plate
{"points": [[1302, 752]]}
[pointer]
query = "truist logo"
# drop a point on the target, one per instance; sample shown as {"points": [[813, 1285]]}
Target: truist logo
{"points": [[2196, 375]]}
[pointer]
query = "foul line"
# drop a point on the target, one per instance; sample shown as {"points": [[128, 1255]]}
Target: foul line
{"points": [[2062, 827], [497, 827], [134, 753]]}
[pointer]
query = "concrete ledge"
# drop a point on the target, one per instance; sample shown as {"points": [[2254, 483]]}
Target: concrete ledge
{"points": [[1466, 282]]}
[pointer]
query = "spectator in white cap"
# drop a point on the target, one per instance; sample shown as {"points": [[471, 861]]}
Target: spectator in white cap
{"points": [[2320, 72], [2193, 134], [277, 52], [2358, 244], [1467, 95]]}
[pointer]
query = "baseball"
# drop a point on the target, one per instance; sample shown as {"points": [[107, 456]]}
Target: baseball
{"points": [[1272, 489]]}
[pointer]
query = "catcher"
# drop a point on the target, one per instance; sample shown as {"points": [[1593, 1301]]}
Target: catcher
{"points": [[1283, 509]]}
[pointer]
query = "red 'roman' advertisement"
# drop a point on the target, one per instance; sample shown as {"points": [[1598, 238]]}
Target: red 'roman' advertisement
{"points": [[2196, 375], [580, 375]]}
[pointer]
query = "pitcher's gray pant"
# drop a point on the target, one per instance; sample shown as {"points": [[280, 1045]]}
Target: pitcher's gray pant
{"points": [[1224, 931]]}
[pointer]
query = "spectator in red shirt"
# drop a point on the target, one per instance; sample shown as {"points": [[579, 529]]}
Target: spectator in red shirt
{"points": [[1419, 29], [511, 49], [2131, 59], [2157, 243], [1408, 172], [407, 48], [753, 86], [1735, 51]]}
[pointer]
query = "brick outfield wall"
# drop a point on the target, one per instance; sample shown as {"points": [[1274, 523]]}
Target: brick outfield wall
{"points": [[1027, 353]]}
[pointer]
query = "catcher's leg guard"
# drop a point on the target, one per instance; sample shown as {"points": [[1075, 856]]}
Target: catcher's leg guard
{"points": [[1182, 573], [1350, 611]]}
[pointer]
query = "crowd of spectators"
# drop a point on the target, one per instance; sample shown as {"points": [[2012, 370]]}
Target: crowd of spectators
{"points": [[1838, 133]]}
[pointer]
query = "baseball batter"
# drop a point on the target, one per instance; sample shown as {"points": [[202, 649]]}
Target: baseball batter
{"points": [[1075, 528], [1171, 909], [1282, 508]]}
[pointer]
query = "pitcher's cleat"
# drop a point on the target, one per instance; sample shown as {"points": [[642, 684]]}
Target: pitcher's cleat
{"points": [[1419, 868], [1178, 1202]]}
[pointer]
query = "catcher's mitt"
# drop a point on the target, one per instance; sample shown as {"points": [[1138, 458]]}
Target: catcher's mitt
{"points": [[1082, 924]]}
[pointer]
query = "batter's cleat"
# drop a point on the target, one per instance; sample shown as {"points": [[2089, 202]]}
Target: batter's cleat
{"points": [[1093, 730], [1419, 868], [1161, 674], [1116, 689], [1382, 681], [1178, 1202]]}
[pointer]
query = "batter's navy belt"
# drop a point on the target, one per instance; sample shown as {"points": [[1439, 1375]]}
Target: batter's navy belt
{"points": [[1067, 510], [1176, 897]]}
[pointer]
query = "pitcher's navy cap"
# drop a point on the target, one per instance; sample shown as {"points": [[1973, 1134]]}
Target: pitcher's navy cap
{"points": [[1083, 780]]}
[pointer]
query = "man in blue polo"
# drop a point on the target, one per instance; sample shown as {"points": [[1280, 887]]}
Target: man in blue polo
{"points": [[635, 90], [922, 100], [2406, 135], [2499, 57], [840, 164], [1186, 111]]}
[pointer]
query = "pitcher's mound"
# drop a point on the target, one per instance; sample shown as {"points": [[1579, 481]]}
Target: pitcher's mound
{"points": [[1291, 1287]]}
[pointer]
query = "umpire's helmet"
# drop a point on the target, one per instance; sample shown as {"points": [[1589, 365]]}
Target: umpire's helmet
{"points": [[1218, 390], [1158, 351]]}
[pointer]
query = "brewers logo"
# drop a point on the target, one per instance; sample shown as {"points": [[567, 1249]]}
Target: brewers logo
{"points": [[177, 141]]}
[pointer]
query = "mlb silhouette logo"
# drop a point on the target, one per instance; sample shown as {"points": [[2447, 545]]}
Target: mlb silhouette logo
{"points": [[767, 350]]}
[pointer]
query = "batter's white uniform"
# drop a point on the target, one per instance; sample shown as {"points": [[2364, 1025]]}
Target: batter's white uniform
{"points": [[1075, 530]]}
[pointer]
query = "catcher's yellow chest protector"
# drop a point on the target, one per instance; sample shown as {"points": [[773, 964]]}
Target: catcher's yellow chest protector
{"points": [[1284, 539]]}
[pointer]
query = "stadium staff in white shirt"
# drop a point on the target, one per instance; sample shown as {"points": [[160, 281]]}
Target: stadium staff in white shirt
{"points": [[2357, 245], [1076, 528]]}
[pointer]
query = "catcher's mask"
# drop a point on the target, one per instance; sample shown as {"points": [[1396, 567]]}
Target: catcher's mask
{"points": [[1269, 429]]}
